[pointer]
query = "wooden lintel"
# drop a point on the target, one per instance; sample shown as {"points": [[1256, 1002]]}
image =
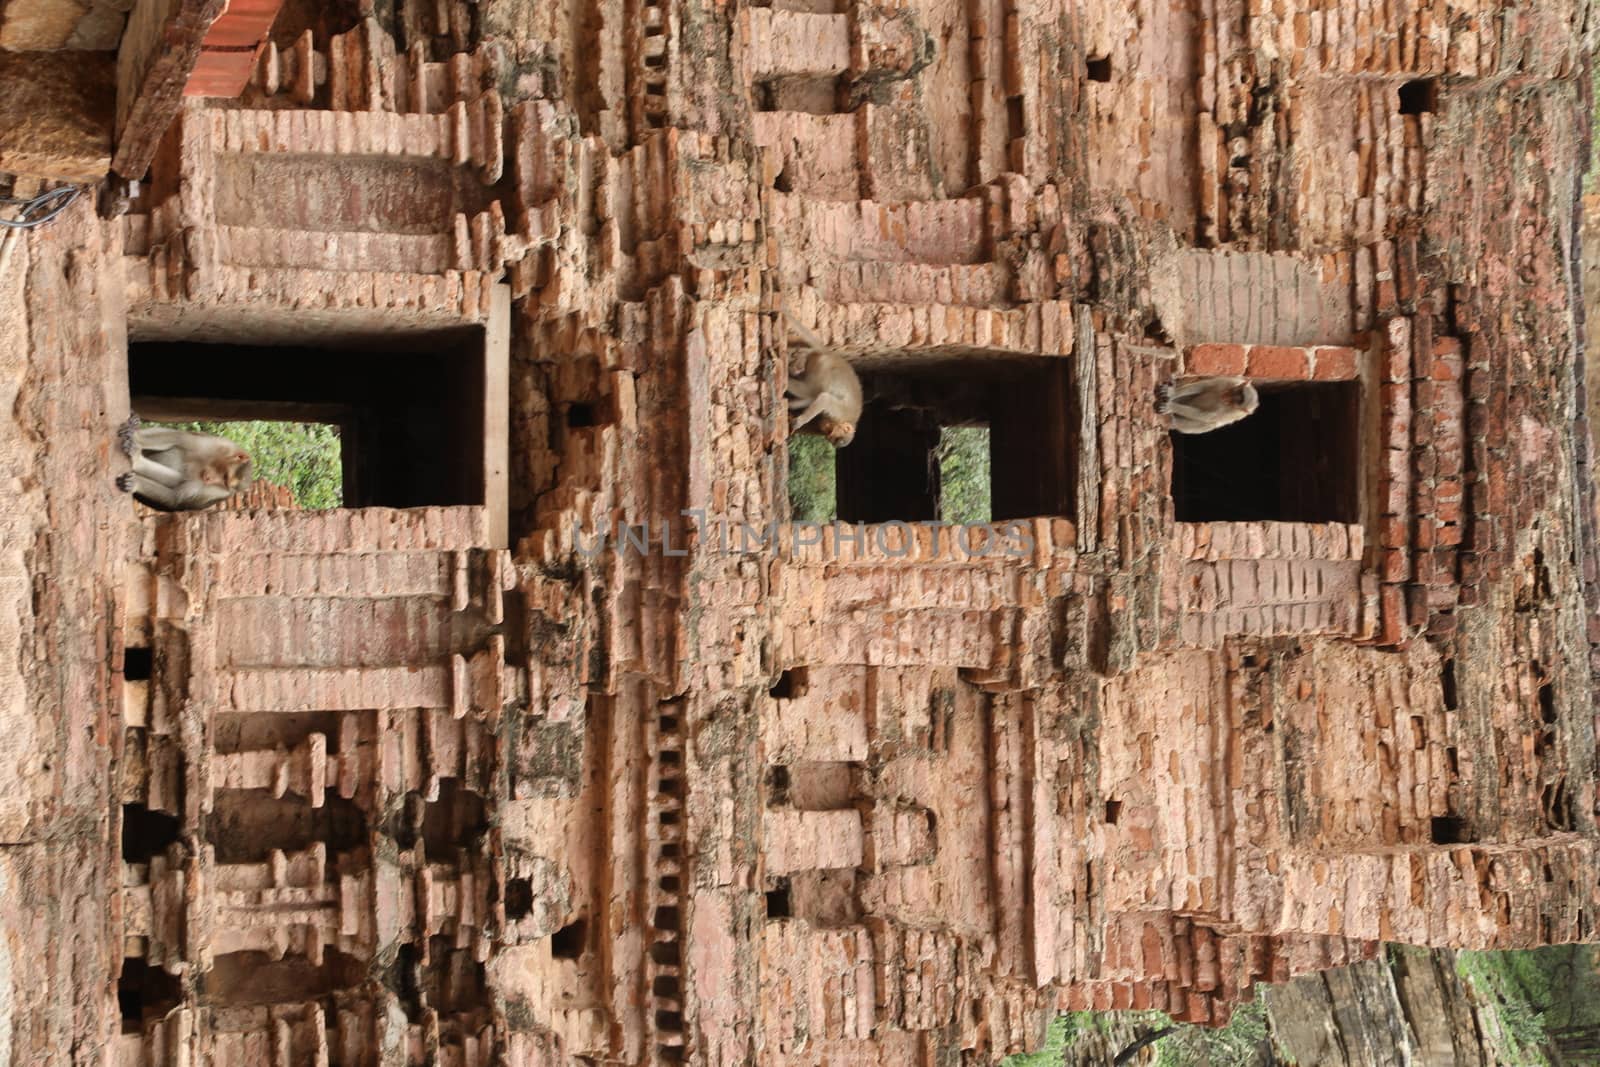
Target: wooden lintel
{"points": [[152, 70]]}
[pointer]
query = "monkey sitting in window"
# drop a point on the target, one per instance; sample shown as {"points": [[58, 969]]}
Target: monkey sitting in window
{"points": [[827, 391], [179, 470], [1205, 404]]}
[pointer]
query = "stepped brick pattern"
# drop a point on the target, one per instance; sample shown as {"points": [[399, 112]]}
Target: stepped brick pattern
{"points": [[627, 769]]}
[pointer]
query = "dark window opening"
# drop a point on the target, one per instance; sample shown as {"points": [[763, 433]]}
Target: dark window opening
{"points": [[1449, 830], [240, 979], [1547, 703], [145, 992], [402, 420], [1016, 117], [777, 786], [791, 684], [1447, 684], [665, 918], [456, 820], [778, 900], [404, 978], [581, 415], [666, 985], [452, 980], [146, 833], [942, 436], [814, 94], [568, 942], [245, 825], [1295, 459], [249, 732], [1099, 68], [519, 899], [1113, 812], [136, 664], [1419, 96]]}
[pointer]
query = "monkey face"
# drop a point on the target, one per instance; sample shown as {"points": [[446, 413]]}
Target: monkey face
{"points": [[840, 434], [239, 472]]}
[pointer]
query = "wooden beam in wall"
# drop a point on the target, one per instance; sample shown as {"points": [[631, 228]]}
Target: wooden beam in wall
{"points": [[159, 51]]}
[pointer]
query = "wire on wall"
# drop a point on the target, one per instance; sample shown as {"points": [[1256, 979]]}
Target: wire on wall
{"points": [[39, 210]]}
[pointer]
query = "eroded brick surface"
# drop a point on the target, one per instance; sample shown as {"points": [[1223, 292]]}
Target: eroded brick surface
{"points": [[366, 786]]}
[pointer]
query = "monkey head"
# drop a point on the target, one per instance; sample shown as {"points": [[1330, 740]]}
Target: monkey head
{"points": [[231, 472], [1248, 398], [839, 434]]}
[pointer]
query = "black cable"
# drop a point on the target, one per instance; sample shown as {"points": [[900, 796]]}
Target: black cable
{"points": [[52, 202], [1127, 1054]]}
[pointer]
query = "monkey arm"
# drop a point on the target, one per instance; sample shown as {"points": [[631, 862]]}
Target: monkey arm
{"points": [[807, 338], [160, 438], [819, 406], [1204, 393], [180, 498], [152, 471], [1185, 419]]}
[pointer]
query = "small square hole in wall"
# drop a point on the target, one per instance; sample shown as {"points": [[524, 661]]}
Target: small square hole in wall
{"points": [[778, 906], [946, 438], [1448, 830], [568, 942], [137, 664], [1099, 68], [1419, 96], [389, 423], [1295, 459]]}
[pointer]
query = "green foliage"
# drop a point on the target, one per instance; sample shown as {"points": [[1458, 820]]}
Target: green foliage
{"points": [[964, 483], [303, 457], [813, 495], [1242, 1043], [1057, 1040], [1516, 988]]}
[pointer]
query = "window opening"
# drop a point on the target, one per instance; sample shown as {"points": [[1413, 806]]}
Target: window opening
{"points": [[302, 457], [1099, 68], [1296, 459], [953, 439]]}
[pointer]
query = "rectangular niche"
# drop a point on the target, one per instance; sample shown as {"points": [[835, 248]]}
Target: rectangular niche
{"points": [[1008, 421], [421, 415], [1296, 459]]}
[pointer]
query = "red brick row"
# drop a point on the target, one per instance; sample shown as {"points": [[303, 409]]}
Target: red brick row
{"points": [[1323, 363]]}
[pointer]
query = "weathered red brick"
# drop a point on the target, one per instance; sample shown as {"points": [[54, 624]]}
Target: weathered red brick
{"points": [[1416, 606], [1213, 359], [1272, 361], [1391, 629], [1335, 363], [1396, 565]]}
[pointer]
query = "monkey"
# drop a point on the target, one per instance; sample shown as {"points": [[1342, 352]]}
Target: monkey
{"points": [[1205, 404], [178, 470], [827, 391]]}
